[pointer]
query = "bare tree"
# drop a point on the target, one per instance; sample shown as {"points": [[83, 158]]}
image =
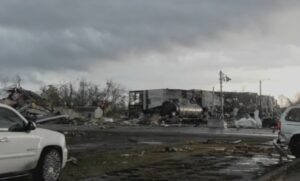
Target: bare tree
{"points": [[87, 94], [51, 94], [113, 95], [4, 81], [18, 81], [297, 99], [94, 94], [66, 93], [82, 96], [284, 101], [13, 80]]}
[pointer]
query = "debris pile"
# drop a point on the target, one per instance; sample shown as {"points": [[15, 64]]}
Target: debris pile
{"points": [[249, 121], [200, 106], [38, 108], [35, 108], [31, 105], [175, 149]]}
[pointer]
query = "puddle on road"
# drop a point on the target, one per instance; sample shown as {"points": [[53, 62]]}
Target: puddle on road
{"points": [[151, 143], [197, 168], [265, 160], [250, 167]]}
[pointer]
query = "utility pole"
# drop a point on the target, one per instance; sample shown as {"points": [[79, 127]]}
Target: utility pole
{"points": [[223, 78], [219, 123], [260, 96], [18, 81], [221, 92], [213, 100]]}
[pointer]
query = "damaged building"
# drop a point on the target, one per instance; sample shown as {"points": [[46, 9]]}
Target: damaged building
{"points": [[189, 103], [162, 100], [31, 105]]}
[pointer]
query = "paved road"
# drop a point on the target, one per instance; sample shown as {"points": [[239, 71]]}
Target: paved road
{"points": [[228, 132], [126, 138]]}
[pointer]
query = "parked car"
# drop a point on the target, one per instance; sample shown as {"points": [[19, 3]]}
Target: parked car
{"points": [[289, 126], [26, 149]]}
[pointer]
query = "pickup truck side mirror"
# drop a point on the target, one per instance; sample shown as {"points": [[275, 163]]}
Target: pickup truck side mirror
{"points": [[30, 126]]}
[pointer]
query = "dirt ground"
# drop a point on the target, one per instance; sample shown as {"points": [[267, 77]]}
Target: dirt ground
{"points": [[110, 155], [128, 156]]}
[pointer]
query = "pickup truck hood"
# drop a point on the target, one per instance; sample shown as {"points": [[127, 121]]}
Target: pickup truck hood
{"points": [[49, 137]]}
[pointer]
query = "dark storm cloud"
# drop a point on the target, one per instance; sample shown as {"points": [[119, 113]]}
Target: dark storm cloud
{"points": [[74, 34]]}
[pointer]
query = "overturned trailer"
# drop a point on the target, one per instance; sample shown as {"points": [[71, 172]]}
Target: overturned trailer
{"points": [[167, 102], [195, 103]]}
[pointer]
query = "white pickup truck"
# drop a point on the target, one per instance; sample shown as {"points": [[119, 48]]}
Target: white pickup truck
{"points": [[25, 149], [289, 126]]}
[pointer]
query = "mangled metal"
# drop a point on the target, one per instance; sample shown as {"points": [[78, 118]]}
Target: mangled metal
{"points": [[31, 105], [203, 105]]}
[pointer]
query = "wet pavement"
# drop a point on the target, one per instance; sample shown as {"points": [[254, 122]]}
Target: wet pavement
{"points": [[197, 167], [214, 154], [237, 162], [184, 130]]}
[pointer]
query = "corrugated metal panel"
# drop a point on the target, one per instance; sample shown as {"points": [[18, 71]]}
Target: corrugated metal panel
{"points": [[210, 99], [156, 98]]}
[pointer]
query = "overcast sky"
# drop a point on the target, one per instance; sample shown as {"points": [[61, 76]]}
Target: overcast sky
{"points": [[145, 44]]}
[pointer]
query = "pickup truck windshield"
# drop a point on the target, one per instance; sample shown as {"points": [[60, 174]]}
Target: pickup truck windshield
{"points": [[293, 115], [9, 118]]}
